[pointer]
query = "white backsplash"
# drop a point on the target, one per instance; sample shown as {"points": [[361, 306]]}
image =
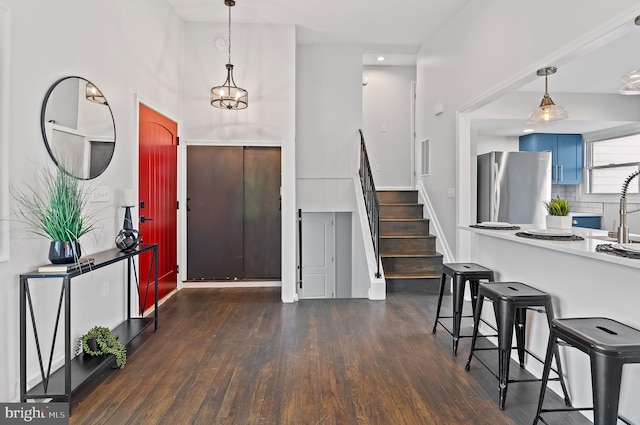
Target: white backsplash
{"points": [[610, 211], [569, 192]]}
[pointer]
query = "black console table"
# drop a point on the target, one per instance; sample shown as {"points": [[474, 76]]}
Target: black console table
{"points": [[60, 384]]}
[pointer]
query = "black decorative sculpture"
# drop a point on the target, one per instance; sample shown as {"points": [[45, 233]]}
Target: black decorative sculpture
{"points": [[128, 238]]}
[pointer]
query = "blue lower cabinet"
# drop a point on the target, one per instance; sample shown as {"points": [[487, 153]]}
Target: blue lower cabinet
{"points": [[591, 222]]}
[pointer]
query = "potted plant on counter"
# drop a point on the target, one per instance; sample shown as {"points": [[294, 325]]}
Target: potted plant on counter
{"points": [[558, 217], [55, 207]]}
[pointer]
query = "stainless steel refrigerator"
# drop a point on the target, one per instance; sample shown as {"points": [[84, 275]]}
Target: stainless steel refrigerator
{"points": [[513, 186]]}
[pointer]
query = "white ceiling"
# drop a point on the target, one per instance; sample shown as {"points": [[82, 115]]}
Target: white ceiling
{"points": [[596, 70], [395, 29]]}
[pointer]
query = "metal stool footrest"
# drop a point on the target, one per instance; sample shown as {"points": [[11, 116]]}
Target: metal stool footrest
{"points": [[575, 409], [468, 366]]}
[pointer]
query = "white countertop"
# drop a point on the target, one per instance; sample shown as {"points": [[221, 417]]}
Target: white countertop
{"points": [[581, 282], [584, 248]]}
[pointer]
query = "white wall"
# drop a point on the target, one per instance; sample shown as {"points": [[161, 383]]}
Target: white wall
{"points": [[344, 261], [386, 103], [124, 48], [328, 112], [486, 144], [264, 64], [328, 116], [470, 58]]}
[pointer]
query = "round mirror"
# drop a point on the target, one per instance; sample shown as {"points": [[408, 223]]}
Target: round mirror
{"points": [[78, 127]]}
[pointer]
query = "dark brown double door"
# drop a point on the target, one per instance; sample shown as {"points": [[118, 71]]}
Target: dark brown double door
{"points": [[233, 213]]}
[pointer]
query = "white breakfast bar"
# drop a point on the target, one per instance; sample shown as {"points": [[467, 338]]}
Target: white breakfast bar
{"points": [[582, 282]]}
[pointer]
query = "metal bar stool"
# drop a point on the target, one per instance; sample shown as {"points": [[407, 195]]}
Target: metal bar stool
{"points": [[460, 273], [511, 300], [609, 344]]}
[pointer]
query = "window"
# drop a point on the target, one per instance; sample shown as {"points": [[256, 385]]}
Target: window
{"points": [[610, 162]]}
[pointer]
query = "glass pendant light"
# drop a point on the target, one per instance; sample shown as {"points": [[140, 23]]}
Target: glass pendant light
{"points": [[548, 111], [228, 95], [631, 82]]}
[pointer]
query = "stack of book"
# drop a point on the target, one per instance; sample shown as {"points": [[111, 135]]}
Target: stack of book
{"points": [[66, 268]]}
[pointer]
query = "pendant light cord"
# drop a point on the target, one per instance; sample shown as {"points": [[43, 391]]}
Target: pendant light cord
{"points": [[229, 34]]}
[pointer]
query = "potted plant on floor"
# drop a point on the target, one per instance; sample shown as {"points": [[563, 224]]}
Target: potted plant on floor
{"points": [[55, 207], [99, 341], [558, 217]]}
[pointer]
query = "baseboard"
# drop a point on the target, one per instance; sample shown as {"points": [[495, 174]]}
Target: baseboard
{"points": [[231, 284], [445, 249]]}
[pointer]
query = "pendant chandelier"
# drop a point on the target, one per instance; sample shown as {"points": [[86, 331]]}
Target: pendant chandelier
{"points": [[93, 94], [228, 95], [548, 111]]}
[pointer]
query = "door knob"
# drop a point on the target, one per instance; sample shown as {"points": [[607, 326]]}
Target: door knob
{"points": [[143, 219]]}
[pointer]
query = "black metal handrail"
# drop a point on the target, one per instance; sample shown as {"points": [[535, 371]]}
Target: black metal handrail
{"points": [[370, 200]]}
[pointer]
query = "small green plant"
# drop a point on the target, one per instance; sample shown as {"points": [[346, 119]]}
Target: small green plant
{"points": [[557, 206], [99, 341], [54, 206]]}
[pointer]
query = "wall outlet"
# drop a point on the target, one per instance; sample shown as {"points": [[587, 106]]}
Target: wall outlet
{"points": [[100, 194], [105, 288]]}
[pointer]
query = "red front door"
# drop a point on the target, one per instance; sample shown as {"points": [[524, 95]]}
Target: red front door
{"points": [[157, 179]]}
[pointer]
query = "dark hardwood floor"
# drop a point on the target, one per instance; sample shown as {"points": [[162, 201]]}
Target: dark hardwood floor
{"points": [[240, 356]]}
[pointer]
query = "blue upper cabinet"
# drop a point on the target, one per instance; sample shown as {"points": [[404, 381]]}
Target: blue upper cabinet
{"points": [[566, 152]]}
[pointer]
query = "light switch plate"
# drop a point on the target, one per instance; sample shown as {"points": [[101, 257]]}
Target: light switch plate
{"points": [[100, 194]]}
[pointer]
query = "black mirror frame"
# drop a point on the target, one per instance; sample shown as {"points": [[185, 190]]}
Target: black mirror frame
{"points": [[44, 132]]}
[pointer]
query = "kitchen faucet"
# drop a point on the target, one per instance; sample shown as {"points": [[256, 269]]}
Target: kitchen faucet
{"points": [[623, 230]]}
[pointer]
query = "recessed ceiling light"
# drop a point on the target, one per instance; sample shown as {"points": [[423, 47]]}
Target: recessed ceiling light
{"points": [[528, 130], [380, 58]]}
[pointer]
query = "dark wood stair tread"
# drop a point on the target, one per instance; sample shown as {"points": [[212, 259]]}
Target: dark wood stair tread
{"points": [[435, 255], [412, 275], [409, 258], [401, 236], [404, 219]]}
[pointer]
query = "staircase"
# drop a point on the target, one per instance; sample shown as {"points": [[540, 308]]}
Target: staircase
{"points": [[407, 250]]}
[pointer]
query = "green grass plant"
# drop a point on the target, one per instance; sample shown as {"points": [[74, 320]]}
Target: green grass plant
{"points": [[54, 206], [557, 206]]}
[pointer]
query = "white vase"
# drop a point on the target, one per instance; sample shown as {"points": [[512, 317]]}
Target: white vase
{"points": [[559, 222]]}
